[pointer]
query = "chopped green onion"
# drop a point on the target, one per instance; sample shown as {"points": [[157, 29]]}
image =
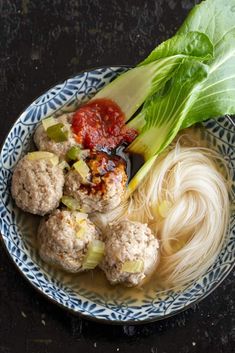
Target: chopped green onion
{"points": [[164, 208], [94, 255], [37, 155], [64, 165], [71, 203], [82, 168], [48, 122], [134, 266], [57, 133], [74, 153]]}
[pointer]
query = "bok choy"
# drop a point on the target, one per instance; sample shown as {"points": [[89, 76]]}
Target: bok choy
{"points": [[164, 113], [187, 79]]}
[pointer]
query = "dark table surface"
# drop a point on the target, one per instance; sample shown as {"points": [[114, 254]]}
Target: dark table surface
{"points": [[41, 43]]}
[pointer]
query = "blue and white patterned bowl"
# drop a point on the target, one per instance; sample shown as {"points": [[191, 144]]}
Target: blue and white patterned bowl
{"points": [[18, 229]]}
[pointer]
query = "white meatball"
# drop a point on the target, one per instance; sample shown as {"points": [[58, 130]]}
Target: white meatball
{"points": [[125, 242], [60, 243], [44, 143], [37, 185]]}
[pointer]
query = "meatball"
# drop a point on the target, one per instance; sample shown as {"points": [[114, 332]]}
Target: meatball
{"points": [[128, 244], [105, 185], [60, 243], [37, 185], [44, 143]]}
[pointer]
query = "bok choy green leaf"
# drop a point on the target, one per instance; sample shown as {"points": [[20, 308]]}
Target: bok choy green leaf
{"points": [[193, 44], [215, 18]]}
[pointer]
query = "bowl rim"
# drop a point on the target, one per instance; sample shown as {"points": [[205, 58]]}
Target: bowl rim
{"points": [[85, 315]]}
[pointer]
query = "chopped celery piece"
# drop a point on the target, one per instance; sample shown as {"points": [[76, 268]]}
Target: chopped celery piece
{"points": [[64, 165], [81, 232], [37, 155], [71, 203], [134, 266], [80, 216], [164, 208], [94, 255], [48, 122], [57, 133], [73, 153], [82, 168]]}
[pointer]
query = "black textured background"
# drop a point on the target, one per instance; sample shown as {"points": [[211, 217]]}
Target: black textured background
{"points": [[41, 43]]}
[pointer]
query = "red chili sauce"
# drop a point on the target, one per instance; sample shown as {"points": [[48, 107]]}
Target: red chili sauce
{"points": [[101, 124]]}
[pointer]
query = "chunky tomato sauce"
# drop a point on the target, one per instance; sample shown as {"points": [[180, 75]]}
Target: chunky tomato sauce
{"points": [[101, 124]]}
